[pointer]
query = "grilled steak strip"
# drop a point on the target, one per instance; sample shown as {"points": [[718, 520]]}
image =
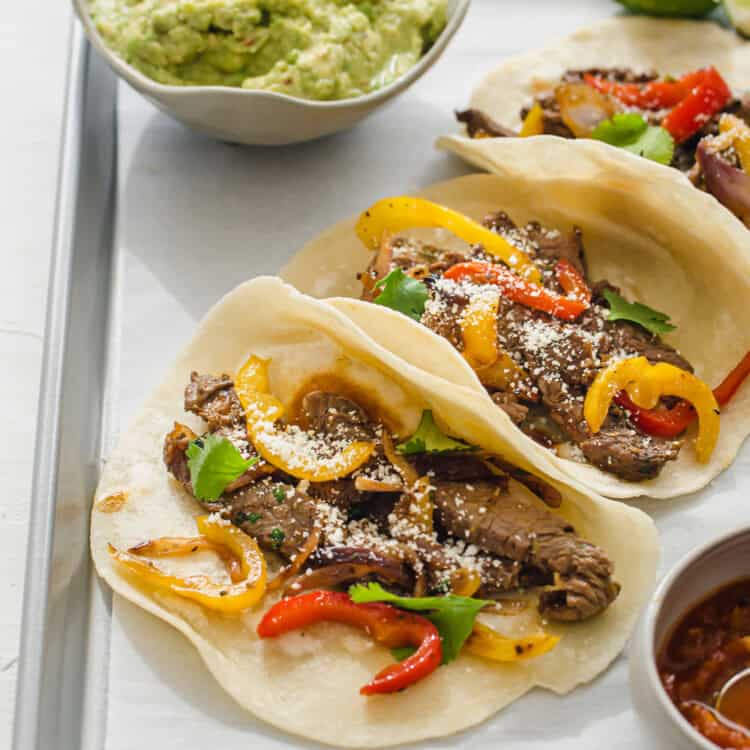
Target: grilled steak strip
{"points": [[582, 573], [511, 405], [545, 246], [335, 415], [457, 467], [497, 521], [499, 574], [469, 467], [214, 400], [480, 125], [508, 525], [279, 516], [620, 449]]}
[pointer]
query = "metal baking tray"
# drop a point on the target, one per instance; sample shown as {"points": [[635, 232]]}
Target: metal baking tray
{"points": [[60, 649], [154, 224]]}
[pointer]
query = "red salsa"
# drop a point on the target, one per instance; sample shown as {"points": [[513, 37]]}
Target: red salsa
{"points": [[704, 665]]}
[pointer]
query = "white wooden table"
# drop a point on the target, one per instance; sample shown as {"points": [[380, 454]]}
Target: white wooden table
{"points": [[33, 57]]}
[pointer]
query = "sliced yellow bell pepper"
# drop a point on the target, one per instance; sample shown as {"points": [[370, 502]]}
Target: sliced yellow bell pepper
{"points": [[252, 379], [180, 546], [646, 384], [489, 644], [275, 445], [740, 134], [533, 123], [248, 583], [479, 332], [493, 366], [261, 409], [393, 215], [465, 582]]}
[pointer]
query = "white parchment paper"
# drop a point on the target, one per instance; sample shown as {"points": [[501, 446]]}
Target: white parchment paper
{"points": [[197, 217]]}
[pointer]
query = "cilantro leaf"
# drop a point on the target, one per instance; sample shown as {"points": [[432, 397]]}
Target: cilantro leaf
{"points": [[402, 293], [631, 132], [645, 316], [429, 438], [214, 462], [453, 616], [655, 143], [621, 129]]}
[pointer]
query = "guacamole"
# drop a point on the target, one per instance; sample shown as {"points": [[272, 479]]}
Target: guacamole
{"points": [[313, 49]]}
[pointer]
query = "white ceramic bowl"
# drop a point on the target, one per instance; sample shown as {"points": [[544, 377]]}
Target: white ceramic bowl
{"points": [[265, 118], [698, 574]]}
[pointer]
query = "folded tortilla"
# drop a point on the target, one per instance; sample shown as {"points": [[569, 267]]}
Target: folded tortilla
{"points": [[668, 47], [645, 229], [309, 685]]}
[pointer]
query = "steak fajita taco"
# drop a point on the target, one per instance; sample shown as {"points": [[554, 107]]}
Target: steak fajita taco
{"points": [[360, 556], [673, 92], [581, 306]]}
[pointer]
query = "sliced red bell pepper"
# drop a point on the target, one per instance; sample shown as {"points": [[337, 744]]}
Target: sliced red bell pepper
{"points": [[387, 625], [571, 281], [517, 290], [732, 382], [662, 94], [651, 95], [669, 423], [701, 103]]}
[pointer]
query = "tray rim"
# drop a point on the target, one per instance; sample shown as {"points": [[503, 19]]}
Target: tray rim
{"points": [[28, 718]]}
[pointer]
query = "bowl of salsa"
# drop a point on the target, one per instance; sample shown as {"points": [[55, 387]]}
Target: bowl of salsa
{"points": [[690, 657]]}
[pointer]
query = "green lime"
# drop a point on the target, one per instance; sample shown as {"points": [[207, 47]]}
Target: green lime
{"points": [[693, 8], [739, 14]]}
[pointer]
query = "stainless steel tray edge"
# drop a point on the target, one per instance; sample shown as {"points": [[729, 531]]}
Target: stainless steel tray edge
{"points": [[60, 665]]}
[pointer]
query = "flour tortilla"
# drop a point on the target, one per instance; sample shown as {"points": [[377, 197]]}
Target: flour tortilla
{"points": [[645, 229], [309, 685], [668, 47]]}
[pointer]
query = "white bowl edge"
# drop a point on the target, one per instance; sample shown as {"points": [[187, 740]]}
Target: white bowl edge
{"points": [[211, 109], [660, 717]]}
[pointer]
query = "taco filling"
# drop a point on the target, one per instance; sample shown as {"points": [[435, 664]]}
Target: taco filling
{"points": [[331, 526], [417, 518], [406, 537], [575, 365], [694, 123]]}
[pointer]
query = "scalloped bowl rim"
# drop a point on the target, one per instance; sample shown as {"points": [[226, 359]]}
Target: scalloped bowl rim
{"points": [[149, 85]]}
